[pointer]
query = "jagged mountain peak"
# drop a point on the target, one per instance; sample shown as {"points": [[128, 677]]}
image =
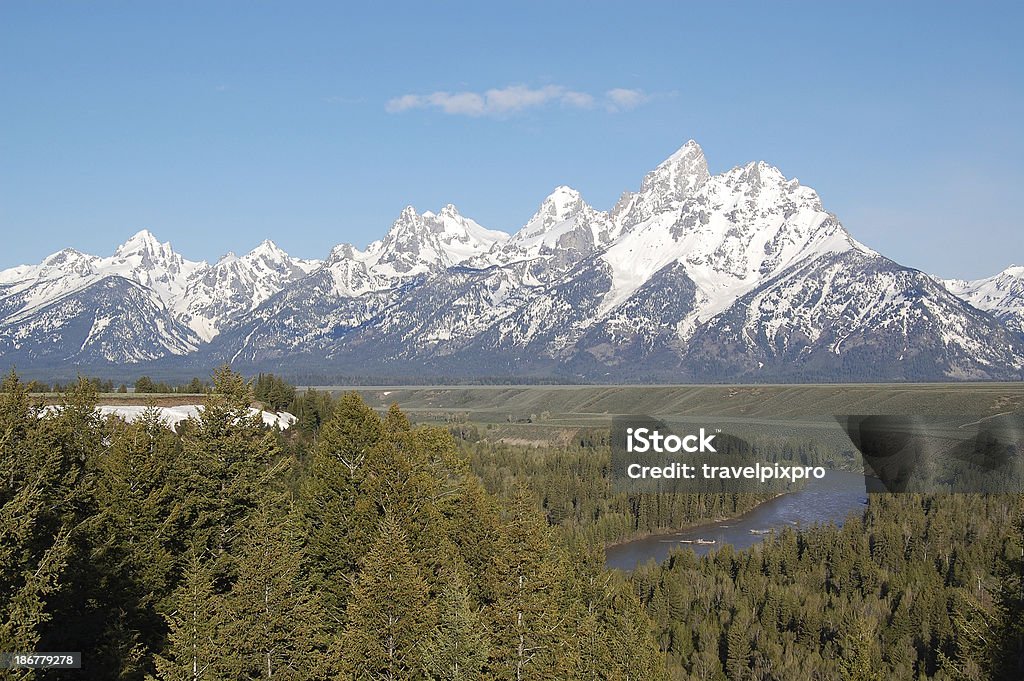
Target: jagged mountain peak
{"points": [[417, 243], [142, 236], [143, 241], [564, 230], [266, 254], [757, 173], [728, 235], [563, 198], [1014, 271], [449, 211], [560, 205], [679, 174], [664, 188], [344, 252], [768, 186], [739, 275], [1002, 295], [62, 256], [269, 250], [69, 261]]}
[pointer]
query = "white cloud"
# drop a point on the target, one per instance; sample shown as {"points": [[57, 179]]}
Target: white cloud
{"points": [[404, 103], [464, 103], [519, 97], [579, 100], [622, 99], [503, 102]]}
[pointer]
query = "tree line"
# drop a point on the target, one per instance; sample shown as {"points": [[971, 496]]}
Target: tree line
{"points": [[223, 552], [357, 545], [920, 587]]}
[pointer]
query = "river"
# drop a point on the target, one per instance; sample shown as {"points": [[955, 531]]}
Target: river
{"points": [[832, 498]]}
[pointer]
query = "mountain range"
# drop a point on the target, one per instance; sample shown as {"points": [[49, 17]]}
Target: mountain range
{"points": [[739, 276]]}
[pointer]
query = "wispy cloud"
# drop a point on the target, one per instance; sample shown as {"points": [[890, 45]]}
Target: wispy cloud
{"points": [[580, 100], [623, 99], [502, 102]]}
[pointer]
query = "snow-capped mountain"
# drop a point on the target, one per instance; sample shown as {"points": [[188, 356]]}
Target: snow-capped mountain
{"points": [[167, 305], [217, 296], [110, 320], [743, 275], [417, 244], [664, 188], [1002, 295], [563, 231]]}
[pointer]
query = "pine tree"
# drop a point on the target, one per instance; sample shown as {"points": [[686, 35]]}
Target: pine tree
{"points": [[457, 648], [339, 519], [135, 495], [1007, 660], [272, 621], [34, 546], [737, 661], [860, 660], [196, 649], [476, 531], [614, 636], [62, 449], [526, 621], [131, 550], [389, 613], [227, 462], [409, 479]]}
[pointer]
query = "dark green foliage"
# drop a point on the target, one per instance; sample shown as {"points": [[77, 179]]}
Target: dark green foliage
{"points": [[228, 460], [1007, 650], [146, 385], [273, 621], [526, 620], [389, 612], [457, 648], [362, 547], [312, 409], [35, 522], [571, 484], [821, 602], [274, 392], [339, 520], [195, 648]]}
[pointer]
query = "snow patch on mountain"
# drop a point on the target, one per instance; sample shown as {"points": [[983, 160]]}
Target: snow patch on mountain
{"points": [[1001, 294], [733, 232], [417, 244], [204, 297]]}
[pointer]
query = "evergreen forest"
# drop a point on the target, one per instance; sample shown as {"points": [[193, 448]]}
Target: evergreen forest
{"points": [[358, 545]]}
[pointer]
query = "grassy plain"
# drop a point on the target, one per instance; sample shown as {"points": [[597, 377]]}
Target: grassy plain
{"points": [[522, 414]]}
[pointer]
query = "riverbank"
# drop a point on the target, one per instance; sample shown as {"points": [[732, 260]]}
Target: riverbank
{"points": [[830, 499], [707, 522]]}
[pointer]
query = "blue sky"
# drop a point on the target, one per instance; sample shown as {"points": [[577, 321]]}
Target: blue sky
{"points": [[219, 124]]}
